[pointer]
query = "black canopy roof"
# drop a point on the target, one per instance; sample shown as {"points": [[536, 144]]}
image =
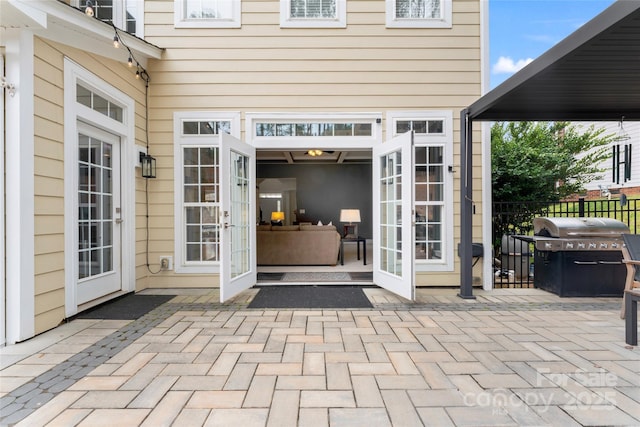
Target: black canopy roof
{"points": [[593, 74]]}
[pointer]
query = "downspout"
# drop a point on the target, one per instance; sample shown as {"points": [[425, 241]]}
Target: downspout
{"points": [[466, 206]]}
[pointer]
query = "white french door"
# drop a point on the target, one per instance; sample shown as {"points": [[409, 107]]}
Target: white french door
{"points": [[393, 234], [238, 267], [98, 263]]}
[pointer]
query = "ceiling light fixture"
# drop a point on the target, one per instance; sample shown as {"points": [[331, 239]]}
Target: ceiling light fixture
{"points": [[314, 153]]}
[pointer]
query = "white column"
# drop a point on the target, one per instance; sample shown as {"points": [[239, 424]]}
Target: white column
{"points": [[3, 317], [20, 314]]}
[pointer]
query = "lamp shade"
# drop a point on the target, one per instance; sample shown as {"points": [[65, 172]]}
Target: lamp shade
{"points": [[349, 215], [277, 216]]}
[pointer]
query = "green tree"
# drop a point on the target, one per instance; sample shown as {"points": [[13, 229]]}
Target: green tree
{"points": [[540, 162], [544, 161]]}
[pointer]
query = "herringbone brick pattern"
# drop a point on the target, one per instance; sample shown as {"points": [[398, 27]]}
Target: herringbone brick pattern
{"points": [[400, 364]]}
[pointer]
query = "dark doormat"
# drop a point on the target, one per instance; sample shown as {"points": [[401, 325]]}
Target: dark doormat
{"points": [[361, 276], [310, 297], [128, 307], [270, 276]]}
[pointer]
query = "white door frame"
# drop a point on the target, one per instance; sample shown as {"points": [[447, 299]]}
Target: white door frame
{"points": [[125, 130]]}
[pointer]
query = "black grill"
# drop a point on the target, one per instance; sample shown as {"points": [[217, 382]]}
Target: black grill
{"points": [[579, 257]]}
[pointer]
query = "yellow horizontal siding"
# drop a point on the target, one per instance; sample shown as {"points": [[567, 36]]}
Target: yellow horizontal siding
{"points": [[48, 319], [312, 76], [325, 90], [49, 165], [48, 282], [261, 67], [48, 243]]}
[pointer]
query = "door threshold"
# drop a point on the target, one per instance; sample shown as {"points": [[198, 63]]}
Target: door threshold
{"points": [[299, 283]]}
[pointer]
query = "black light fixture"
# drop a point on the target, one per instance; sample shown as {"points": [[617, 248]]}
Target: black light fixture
{"points": [[148, 165]]}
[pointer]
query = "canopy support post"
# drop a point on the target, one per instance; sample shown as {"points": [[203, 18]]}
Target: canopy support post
{"points": [[466, 206]]}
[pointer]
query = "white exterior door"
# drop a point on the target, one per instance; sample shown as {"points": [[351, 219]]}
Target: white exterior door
{"points": [[99, 217], [393, 235], [238, 268]]}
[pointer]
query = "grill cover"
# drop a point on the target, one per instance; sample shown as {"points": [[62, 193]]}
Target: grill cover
{"points": [[579, 227]]}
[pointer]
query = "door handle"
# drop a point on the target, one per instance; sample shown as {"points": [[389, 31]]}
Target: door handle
{"points": [[227, 225], [119, 220]]}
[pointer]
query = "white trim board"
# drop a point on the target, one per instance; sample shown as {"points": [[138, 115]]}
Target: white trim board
{"points": [[20, 297]]}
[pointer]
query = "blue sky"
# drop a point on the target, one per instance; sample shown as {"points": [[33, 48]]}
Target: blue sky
{"points": [[521, 30]]}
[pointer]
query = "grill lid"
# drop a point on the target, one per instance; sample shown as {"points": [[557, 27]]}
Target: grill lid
{"points": [[578, 227]]}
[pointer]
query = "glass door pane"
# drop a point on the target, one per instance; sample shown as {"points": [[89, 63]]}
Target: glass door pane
{"points": [[95, 207]]}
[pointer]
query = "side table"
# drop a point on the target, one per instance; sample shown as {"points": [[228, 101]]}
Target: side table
{"points": [[358, 240]]}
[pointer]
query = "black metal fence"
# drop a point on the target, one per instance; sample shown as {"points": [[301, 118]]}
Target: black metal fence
{"points": [[513, 258]]}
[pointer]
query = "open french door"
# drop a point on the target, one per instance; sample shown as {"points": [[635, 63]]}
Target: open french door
{"points": [[238, 268], [393, 234]]}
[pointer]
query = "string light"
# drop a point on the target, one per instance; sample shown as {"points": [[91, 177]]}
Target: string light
{"points": [[141, 73], [88, 10]]}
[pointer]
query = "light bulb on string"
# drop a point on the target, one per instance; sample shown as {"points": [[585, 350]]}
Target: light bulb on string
{"points": [[88, 10], [116, 42], [130, 62]]}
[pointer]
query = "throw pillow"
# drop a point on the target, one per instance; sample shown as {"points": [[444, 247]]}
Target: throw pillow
{"points": [[319, 223]]}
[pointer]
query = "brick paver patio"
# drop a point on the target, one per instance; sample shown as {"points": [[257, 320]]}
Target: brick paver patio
{"points": [[511, 357]]}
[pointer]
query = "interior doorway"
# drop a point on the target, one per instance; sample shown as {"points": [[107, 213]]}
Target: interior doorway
{"points": [[312, 190]]}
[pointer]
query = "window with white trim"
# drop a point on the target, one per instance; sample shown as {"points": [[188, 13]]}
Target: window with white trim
{"points": [[313, 13], [207, 13], [306, 129], [124, 14], [433, 191], [419, 13], [197, 188], [88, 98]]}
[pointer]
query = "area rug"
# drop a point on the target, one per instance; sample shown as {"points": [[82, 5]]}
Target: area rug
{"points": [[128, 307], [316, 277], [310, 296]]}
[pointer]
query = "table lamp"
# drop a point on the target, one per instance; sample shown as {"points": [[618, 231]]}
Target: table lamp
{"points": [[350, 216]]}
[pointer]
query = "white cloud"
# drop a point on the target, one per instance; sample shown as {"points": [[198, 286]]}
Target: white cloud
{"points": [[507, 65]]}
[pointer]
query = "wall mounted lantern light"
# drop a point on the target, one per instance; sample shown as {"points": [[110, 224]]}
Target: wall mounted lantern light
{"points": [[148, 165]]}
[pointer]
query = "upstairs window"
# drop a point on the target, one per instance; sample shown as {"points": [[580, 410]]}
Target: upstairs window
{"points": [[207, 13], [419, 13], [313, 13], [124, 14]]}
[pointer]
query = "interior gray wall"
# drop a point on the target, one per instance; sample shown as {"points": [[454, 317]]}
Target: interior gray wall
{"points": [[322, 190]]}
